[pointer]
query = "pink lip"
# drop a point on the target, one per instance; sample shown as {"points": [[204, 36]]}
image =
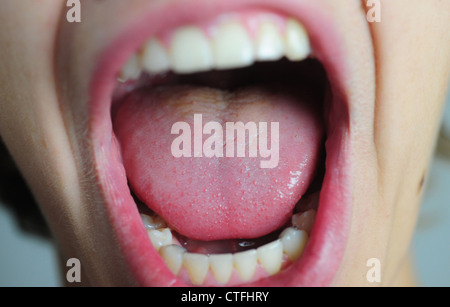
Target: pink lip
{"points": [[324, 252]]}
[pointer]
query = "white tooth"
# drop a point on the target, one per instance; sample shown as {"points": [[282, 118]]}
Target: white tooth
{"points": [[160, 237], [294, 242], [221, 267], [269, 43], [270, 256], [154, 57], [190, 51], [304, 220], [173, 257], [245, 263], [152, 222], [232, 46], [131, 70], [197, 266], [297, 42]]}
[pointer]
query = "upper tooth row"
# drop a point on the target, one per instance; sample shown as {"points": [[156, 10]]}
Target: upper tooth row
{"points": [[291, 243], [230, 46]]}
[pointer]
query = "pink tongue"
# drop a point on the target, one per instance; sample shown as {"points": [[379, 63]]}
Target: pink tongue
{"points": [[226, 197]]}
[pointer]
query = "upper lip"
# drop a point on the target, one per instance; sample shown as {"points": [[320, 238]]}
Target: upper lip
{"points": [[141, 264]]}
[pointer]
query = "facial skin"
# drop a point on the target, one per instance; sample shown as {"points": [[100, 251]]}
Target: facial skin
{"points": [[400, 68]]}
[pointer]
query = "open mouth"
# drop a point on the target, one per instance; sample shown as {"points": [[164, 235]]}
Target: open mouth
{"points": [[225, 221]]}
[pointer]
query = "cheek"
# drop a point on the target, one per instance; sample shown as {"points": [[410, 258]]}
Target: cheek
{"points": [[412, 75], [31, 123], [411, 85]]}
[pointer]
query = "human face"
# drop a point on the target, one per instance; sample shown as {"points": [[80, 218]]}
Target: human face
{"points": [[378, 123]]}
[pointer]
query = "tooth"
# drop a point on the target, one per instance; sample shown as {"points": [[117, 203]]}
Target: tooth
{"points": [[304, 220], [190, 51], [173, 257], [197, 266], [160, 237], [270, 256], [245, 263], [152, 222], [269, 43], [232, 46], [221, 267], [154, 57], [294, 242], [297, 41], [131, 70]]}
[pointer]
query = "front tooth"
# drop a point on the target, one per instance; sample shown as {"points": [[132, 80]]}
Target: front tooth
{"points": [[154, 57], [297, 42], [131, 70], [190, 51], [160, 237], [232, 46], [245, 263], [269, 43], [271, 256], [197, 266], [304, 220], [294, 242], [173, 257], [221, 267]]}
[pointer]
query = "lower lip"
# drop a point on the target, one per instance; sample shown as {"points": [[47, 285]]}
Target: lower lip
{"points": [[323, 254]]}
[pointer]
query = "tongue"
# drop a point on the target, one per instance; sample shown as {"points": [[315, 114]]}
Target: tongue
{"points": [[214, 198]]}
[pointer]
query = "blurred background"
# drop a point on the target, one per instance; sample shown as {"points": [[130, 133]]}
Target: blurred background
{"points": [[28, 256]]}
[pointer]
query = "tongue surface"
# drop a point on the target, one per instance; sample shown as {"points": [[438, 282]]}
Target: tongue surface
{"points": [[214, 198]]}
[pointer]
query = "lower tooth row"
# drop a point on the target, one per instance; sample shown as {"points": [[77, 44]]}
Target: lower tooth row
{"points": [[290, 244]]}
